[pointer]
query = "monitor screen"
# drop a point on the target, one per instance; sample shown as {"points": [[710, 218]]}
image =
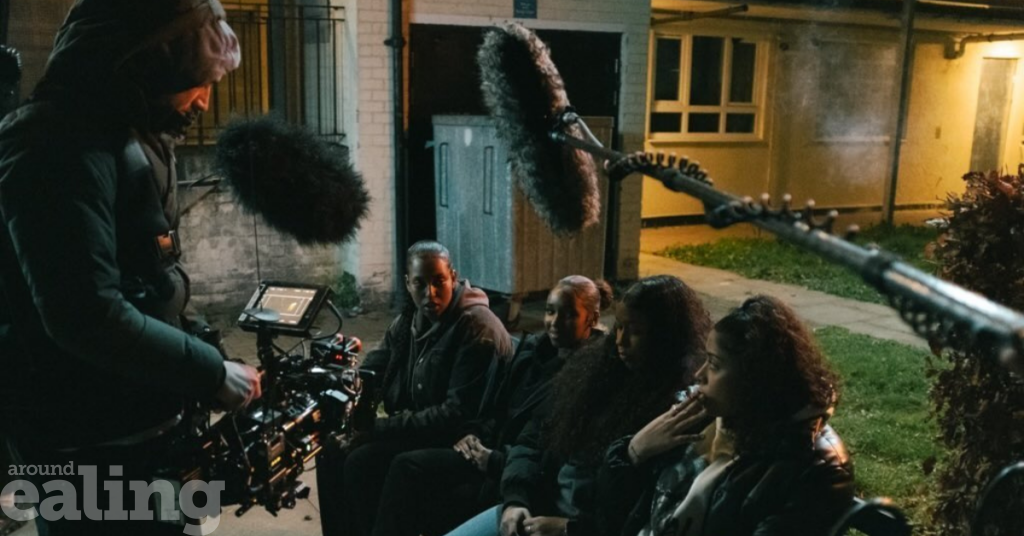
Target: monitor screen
{"points": [[295, 304]]}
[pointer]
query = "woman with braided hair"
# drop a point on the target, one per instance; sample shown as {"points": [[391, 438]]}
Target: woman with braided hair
{"points": [[607, 389]]}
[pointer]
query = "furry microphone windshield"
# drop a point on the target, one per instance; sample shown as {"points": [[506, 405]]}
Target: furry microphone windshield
{"points": [[300, 184], [525, 94]]}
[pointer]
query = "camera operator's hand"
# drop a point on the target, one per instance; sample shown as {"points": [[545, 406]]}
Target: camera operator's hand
{"points": [[241, 386], [512, 521], [355, 439], [675, 427]]}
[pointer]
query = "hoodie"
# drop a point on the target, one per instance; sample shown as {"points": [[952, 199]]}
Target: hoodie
{"points": [[93, 352], [434, 374]]}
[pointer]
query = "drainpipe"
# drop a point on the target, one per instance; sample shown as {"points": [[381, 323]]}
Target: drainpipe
{"points": [[906, 62], [397, 43], [956, 49]]}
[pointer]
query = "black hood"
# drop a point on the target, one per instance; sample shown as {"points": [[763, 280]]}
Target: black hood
{"points": [[114, 54]]}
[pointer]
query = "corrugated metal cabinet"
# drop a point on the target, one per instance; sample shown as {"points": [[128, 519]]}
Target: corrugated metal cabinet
{"points": [[496, 239]]}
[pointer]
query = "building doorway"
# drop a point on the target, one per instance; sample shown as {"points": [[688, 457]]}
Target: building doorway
{"points": [[995, 96], [444, 79]]}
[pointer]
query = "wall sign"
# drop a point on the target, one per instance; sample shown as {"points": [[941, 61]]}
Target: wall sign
{"points": [[525, 9]]}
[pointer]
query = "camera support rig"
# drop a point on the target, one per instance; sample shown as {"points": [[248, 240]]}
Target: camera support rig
{"points": [[308, 400]]}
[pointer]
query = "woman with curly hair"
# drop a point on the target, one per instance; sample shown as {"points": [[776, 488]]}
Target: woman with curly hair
{"points": [[605, 390], [768, 465]]}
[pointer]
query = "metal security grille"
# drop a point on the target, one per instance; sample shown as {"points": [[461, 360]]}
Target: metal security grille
{"points": [[292, 65]]}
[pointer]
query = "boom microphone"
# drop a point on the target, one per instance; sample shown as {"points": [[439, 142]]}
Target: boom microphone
{"points": [[526, 96], [300, 184], [525, 93]]}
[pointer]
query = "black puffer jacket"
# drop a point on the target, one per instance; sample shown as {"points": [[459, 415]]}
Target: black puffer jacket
{"points": [[93, 352], [800, 486], [432, 377]]}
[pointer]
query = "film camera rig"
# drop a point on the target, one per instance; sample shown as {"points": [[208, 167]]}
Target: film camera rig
{"points": [[308, 402]]}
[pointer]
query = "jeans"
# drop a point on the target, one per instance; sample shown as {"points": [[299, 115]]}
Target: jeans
{"points": [[485, 523]]}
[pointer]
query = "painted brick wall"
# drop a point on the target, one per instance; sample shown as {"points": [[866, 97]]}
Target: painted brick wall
{"points": [[371, 91]]}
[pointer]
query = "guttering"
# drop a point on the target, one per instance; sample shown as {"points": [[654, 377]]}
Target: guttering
{"points": [[684, 16], [397, 44], [956, 48]]}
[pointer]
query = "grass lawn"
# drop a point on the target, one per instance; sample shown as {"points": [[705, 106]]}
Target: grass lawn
{"points": [[767, 259], [884, 417]]}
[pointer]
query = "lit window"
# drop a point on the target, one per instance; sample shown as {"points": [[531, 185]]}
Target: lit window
{"points": [[707, 88]]}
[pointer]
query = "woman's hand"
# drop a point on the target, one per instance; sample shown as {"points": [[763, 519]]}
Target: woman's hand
{"points": [[545, 526], [512, 519], [473, 451], [668, 430], [478, 453], [462, 446]]}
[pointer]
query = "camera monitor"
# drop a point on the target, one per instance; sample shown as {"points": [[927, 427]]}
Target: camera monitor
{"points": [[290, 307]]}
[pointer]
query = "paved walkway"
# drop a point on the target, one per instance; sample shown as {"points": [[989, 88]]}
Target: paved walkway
{"points": [[723, 290]]}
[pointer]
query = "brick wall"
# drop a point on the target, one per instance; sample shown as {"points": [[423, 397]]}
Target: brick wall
{"points": [[372, 144]]}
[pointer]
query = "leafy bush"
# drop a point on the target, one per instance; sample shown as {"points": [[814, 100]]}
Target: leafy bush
{"points": [[346, 292], [979, 405]]}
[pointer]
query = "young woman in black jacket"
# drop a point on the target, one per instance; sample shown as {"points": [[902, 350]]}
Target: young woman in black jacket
{"points": [[430, 491], [767, 466], [607, 389]]}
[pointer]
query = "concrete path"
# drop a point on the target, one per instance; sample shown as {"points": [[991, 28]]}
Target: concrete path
{"points": [[724, 290]]}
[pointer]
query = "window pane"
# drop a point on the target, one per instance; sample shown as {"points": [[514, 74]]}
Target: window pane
{"points": [[703, 122], [666, 122], [666, 70], [741, 84], [739, 123], [706, 75]]}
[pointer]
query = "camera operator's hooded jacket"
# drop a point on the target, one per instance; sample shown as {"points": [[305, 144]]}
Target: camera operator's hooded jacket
{"points": [[93, 352], [432, 376]]}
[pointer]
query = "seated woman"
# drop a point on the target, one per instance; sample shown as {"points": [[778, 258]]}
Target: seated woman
{"points": [[433, 366], [767, 466], [605, 390], [431, 491]]}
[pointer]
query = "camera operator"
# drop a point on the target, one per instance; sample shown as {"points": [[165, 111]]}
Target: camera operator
{"points": [[433, 367], [94, 368]]}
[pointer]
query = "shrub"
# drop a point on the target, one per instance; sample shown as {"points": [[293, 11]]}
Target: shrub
{"points": [[979, 405]]}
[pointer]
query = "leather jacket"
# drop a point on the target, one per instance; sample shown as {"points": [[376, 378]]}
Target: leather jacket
{"points": [[800, 486]]}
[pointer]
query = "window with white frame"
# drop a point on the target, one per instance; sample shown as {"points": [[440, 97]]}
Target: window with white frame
{"points": [[707, 87]]}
